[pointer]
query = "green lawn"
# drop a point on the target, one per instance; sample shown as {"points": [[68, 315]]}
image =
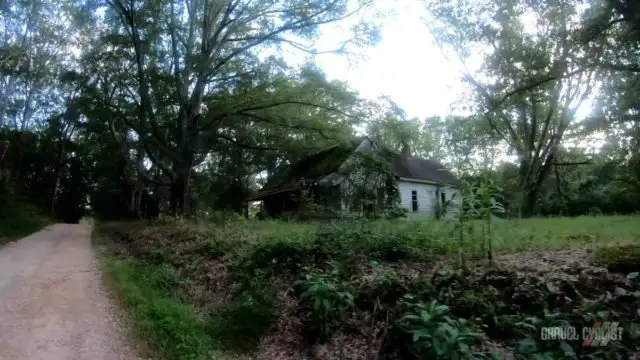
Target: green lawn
{"points": [[562, 232]]}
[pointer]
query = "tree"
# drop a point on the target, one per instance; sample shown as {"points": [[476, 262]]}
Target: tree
{"points": [[464, 143], [532, 80], [389, 126], [178, 73], [34, 48]]}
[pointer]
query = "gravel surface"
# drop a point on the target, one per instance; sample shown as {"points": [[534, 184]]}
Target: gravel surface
{"points": [[53, 304]]}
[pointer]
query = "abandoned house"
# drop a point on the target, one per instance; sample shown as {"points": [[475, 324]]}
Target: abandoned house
{"points": [[359, 178]]}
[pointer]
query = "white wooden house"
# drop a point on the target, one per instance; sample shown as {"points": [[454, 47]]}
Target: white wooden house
{"points": [[425, 187]]}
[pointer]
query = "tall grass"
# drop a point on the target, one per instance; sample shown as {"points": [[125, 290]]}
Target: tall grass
{"points": [[563, 232], [170, 328], [507, 235], [520, 235]]}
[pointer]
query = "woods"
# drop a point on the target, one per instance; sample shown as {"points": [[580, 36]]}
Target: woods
{"points": [[383, 233], [136, 108]]}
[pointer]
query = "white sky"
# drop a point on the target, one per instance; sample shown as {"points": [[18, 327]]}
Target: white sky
{"points": [[405, 65]]}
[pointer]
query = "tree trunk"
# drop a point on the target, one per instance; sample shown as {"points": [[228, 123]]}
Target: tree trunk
{"points": [[180, 193]]}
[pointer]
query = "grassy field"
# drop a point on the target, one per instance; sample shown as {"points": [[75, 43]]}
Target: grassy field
{"points": [[359, 289], [507, 236], [559, 233]]}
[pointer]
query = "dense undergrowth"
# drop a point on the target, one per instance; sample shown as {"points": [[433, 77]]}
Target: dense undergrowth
{"points": [[368, 290], [20, 219]]}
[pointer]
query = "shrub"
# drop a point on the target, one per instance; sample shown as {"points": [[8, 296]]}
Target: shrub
{"points": [[532, 327], [364, 238], [277, 255], [214, 249], [326, 298], [385, 287], [435, 334], [224, 218]]}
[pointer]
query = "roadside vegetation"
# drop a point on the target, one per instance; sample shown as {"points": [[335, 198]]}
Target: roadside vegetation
{"points": [[20, 220], [376, 289]]}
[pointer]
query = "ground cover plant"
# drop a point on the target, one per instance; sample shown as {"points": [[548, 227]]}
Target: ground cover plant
{"points": [[377, 289]]}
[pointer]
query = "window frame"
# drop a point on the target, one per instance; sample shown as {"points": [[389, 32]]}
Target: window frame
{"points": [[414, 201]]}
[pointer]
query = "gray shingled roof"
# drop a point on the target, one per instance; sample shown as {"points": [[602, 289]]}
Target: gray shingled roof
{"points": [[424, 170]]}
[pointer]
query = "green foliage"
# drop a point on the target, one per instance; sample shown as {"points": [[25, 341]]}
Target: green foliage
{"points": [[327, 299], [18, 219], [170, 328], [479, 201], [224, 218], [215, 248], [434, 333], [238, 325], [550, 349], [277, 255], [353, 280], [169, 220], [396, 212], [381, 239]]}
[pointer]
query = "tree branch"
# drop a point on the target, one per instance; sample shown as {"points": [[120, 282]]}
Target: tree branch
{"points": [[585, 162]]}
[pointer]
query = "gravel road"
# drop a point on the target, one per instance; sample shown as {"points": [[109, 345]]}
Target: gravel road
{"points": [[53, 304]]}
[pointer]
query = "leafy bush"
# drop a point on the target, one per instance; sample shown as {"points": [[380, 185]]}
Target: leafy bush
{"points": [[278, 255], [435, 334], [214, 248], [531, 327], [327, 299], [224, 218], [371, 239], [156, 256], [385, 287]]}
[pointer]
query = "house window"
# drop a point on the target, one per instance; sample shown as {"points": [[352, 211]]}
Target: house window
{"points": [[443, 198], [414, 200]]}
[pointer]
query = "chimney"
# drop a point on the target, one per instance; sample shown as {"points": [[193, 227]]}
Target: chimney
{"points": [[406, 150]]}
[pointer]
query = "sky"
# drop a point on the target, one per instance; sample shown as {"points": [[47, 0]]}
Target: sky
{"points": [[406, 65]]}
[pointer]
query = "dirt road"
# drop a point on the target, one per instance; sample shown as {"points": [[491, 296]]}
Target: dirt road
{"points": [[53, 304]]}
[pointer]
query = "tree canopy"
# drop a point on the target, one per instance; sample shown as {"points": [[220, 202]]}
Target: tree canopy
{"points": [[132, 108]]}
